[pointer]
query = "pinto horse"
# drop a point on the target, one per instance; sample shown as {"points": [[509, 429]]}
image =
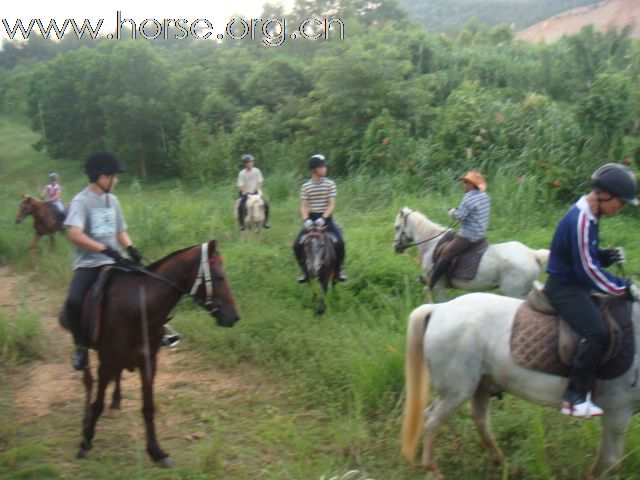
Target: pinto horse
{"points": [[319, 263], [462, 349], [46, 219], [135, 308], [255, 209]]}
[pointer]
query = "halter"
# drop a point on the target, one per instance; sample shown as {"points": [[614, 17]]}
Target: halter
{"points": [[204, 276]]}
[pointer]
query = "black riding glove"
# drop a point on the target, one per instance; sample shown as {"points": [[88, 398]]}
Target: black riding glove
{"points": [[134, 254], [610, 256], [116, 257]]}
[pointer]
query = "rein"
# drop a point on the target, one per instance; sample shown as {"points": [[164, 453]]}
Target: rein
{"points": [[451, 225], [204, 275]]}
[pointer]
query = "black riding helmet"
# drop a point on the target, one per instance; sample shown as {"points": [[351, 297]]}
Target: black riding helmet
{"points": [[246, 158], [102, 163], [316, 161], [618, 180]]}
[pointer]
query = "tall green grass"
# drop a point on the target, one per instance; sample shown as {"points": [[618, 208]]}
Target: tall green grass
{"points": [[20, 338], [349, 363]]}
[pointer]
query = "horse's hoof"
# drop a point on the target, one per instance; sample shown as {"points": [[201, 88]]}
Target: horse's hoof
{"points": [[164, 462], [113, 413], [82, 454]]}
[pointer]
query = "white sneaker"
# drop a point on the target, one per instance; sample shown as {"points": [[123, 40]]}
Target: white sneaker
{"points": [[586, 409]]}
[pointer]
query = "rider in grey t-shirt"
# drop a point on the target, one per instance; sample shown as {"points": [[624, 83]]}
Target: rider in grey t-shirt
{"points": [[100, 217], [96, 227]]}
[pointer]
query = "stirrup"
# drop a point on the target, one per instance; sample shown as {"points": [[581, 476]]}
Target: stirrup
{"points": [[302, 278]]}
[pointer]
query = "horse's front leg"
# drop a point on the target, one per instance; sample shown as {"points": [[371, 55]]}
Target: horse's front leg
{"points": [[611, 450], [147, 375], [34, 242], [94, 410]]}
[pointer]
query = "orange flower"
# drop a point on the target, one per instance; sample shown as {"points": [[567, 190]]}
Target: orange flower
{"points": [[555, 183], [385, 141], [626, 161]]}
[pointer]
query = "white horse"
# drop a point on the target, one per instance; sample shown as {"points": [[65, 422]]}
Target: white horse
{"points": [[464, 345], [255, 217], [511, 266]]}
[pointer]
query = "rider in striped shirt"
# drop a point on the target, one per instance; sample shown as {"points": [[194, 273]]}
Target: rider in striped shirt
{"points": [[317, 203], [577, 266], [473, 214]]}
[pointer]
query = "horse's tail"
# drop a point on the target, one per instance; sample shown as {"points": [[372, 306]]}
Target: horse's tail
{"points": [[417, 381], [542, 256]]}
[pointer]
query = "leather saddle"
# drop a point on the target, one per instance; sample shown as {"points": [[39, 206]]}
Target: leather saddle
{"points": [[541, 340], [92, 319], [464, 266]]}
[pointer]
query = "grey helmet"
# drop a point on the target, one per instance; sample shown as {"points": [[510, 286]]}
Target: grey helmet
{"points": [[247, 157], [53, 176], [618, 180]]}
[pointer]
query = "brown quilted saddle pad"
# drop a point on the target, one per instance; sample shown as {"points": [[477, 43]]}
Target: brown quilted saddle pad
{"points": [[544, 342], [465, 266]]}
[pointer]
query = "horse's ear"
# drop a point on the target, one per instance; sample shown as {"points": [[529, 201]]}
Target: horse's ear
{"points": [[212, 248], [404, 211]]}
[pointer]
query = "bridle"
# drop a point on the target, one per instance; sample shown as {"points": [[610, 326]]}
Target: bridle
{"points": [[204, 276], [405, 218]]}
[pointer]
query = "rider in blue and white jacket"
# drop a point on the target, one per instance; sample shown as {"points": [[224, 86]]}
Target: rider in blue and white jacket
{"points": [[577, 266]]}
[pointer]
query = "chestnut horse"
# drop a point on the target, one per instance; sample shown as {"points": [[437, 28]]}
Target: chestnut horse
{"points": [[135, 308], [46, 219]]}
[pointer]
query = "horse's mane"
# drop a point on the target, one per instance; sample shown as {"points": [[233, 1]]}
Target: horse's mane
{"points": [[33, 199], [158, 263], [424, 222]]}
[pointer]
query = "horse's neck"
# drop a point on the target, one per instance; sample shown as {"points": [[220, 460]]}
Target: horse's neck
{"points": [[424, 229]]}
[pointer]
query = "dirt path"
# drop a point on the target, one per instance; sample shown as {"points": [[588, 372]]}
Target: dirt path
{"points": [[193, 401]]}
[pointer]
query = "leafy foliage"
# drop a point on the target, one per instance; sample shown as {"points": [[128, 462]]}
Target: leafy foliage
{"points": [[390, 95]]}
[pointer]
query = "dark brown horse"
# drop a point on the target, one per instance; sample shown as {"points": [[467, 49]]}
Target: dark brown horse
{"points": [[132, 315], [46, 219]]}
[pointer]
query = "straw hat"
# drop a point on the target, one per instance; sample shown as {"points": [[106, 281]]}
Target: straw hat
{"points": [[476, 179]]}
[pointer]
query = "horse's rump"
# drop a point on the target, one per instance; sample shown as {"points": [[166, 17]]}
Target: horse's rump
{"points": [[464, 266], [544, 342]]}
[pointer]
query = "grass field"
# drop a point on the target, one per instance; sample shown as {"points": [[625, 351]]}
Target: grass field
{"points": [[308, 398]]}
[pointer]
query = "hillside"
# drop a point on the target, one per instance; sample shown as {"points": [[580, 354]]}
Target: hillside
{"points": [[607, 15], [451, 15]]}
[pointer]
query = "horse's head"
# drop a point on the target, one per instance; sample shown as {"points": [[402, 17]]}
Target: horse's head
{"points": [[25, 208], [214, 293], [404, 234], [314, 252]]}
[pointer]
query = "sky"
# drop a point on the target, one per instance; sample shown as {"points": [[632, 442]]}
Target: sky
{"points": [[216, 11]]}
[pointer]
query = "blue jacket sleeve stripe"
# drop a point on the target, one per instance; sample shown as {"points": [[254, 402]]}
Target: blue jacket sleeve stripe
{"points": [[595, 274]]}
